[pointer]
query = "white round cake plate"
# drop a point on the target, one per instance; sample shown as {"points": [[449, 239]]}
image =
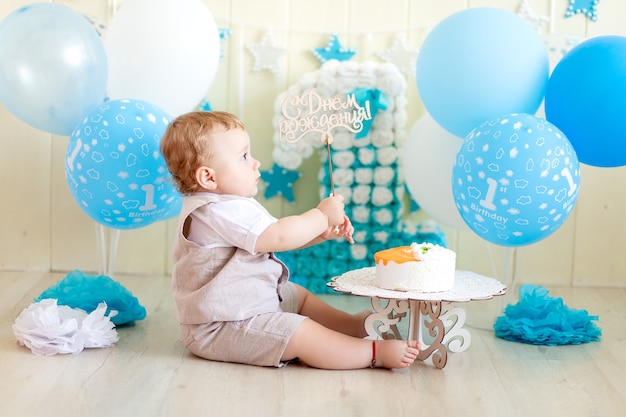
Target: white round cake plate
{"points": [[430, 311]]}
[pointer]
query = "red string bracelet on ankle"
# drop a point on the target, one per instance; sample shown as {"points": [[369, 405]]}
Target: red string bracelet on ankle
{"points": [[373, 365]]}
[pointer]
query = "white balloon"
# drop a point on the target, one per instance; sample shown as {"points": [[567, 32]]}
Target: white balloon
{"points": [[164, 52], [429, 154]]}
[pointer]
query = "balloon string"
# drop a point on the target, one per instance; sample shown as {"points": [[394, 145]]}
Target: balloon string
{"points": [[510, 276], [100, 242], [112, 251], [106, 260]]}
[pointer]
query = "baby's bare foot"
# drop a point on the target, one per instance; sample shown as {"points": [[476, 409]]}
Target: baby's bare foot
{"points": [[393, 354]]}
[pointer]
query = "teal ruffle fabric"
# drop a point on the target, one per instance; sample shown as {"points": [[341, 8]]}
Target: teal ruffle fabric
{"points": [[540, 319], [83, 291]]}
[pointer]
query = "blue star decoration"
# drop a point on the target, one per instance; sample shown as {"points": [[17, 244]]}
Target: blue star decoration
{"points": [[280, 182], [224, 34], [334, 50], [205, 105], [587, 7]]}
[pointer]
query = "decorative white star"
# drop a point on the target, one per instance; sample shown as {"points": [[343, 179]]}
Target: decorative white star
{"points": [[400, 55], [267, 54], [524, 12]]}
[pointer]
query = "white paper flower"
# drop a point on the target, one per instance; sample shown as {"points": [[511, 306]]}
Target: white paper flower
{"points": [[343, 141], [286, 158], [361, 214], [361, 194], [360, 236], [343, 159], [346, 192], [47, 329], [383, 175], [381, 196], [381, 138], [382, 216], [343, 177], [387, 156], [364, 175], [366, 156], [381, 236], [358, 251]]}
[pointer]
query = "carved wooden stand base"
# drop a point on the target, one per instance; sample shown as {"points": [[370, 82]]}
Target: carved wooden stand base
{"points": [[442, 322]]}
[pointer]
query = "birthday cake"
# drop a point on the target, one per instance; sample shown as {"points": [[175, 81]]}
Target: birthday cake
{"points": [[422, 267]]}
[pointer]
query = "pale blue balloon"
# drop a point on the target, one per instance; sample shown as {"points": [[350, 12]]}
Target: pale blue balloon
{"points": [[479, 63], [53, 66], [516, 179], [114, 167]]}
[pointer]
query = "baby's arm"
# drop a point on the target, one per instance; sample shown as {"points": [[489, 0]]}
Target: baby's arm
{"points": [[294, 232]]}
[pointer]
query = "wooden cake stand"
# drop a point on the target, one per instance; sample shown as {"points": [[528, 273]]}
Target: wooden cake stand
{"points": [[432, 311]]}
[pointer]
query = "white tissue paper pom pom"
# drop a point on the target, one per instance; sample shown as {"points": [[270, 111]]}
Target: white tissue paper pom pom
{"points": [[381, 196], [286, 159], [326, 85], [361, 142], [343, 159], [47, 329], [360, 214], [361, 194], [381, 138], [342, 141], [358, 251], [347, 83], [360, 236], [383, 175], [366, 156], [343, 177], [307, 81], [381, 236], [387, 156], [400, 191], [384, 122], [364, 175], [346, 192], [383, 217]]}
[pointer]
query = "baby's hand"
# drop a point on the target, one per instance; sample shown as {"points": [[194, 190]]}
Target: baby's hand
{"points": [[345, 230], [332, 207]]}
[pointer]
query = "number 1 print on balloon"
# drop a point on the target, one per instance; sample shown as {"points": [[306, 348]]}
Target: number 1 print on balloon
{"points": [[516, 179], [114, 167]]}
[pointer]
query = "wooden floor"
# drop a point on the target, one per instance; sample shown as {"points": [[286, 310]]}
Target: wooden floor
{"points": [[149, 374]]}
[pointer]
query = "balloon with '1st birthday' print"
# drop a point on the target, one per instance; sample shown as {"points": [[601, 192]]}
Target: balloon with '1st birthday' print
{"points": [[516, 179]]}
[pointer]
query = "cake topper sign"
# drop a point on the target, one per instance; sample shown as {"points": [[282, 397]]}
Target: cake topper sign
{"points": [[311, 113]]}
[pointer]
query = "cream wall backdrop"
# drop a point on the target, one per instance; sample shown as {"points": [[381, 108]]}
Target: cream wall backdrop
{"points": [[42, 228]]}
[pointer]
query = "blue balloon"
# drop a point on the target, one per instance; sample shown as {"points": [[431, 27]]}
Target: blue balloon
{"points": [[516, 179], [114, 167], [586, 99], [479, 63], [53, 66]]}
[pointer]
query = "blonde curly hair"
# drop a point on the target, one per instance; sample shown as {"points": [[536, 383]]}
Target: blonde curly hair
{"points": [[185, 145]]}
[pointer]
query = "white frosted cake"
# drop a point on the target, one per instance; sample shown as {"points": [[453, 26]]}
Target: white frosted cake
{"points": [[422, 267]]}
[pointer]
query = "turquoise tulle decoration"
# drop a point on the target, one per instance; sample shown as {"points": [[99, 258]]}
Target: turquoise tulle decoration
{"points": [[540, 319], [79, 290]]}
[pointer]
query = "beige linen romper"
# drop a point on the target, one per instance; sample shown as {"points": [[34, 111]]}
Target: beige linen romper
{"points": [[232, 305]]}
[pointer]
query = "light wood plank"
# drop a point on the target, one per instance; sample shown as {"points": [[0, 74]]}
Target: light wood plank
{"points": [[148, 372]]}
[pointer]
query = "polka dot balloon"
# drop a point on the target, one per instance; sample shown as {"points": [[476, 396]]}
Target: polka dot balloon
{"points": [[516, 179], [114, 167]]}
